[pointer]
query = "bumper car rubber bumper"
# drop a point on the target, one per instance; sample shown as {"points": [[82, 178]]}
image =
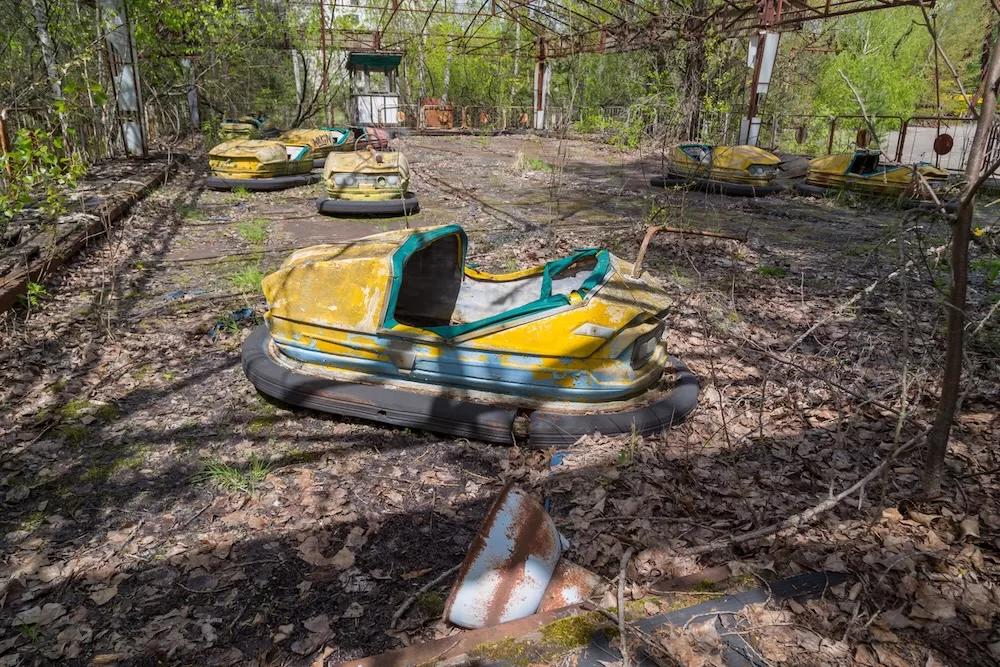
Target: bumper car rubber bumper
{"points": [[800, 186], [261, 184], [717, 187], [350, 208], [455, 416]]}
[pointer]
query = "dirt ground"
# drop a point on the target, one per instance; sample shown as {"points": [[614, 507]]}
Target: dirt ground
{"points": [[156, 510]]}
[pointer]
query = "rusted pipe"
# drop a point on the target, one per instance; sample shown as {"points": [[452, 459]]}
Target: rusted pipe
{"points": [[637, 267]]}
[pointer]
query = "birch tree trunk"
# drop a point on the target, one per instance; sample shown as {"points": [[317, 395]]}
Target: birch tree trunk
{"points": [[49, 58], [447, 74]]}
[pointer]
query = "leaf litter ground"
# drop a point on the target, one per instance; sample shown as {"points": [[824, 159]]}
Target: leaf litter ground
{"points": [[155, 508]]}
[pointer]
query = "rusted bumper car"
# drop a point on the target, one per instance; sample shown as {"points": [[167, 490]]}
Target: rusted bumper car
{"points": [[259, 165], [395, 328], [862, 172], [367, 183], [741, 171]]}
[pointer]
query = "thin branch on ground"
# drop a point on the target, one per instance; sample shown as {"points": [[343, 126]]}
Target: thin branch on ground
{"points": [[803, 518], [423, 589], [626, 557]]}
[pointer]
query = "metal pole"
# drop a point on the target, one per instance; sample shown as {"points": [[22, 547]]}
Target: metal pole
{"points": [[322, 46], [125, 75]]}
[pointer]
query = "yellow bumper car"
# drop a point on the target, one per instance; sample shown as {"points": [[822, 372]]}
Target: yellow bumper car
{"points": [[321, 142], [248, 127], [742, 171], [367, 183], [395, 328], [259, 165], [863, 172]]}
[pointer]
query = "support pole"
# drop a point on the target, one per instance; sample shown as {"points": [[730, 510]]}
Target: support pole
{"points": [[325, 64], [192, 95], [543, 78], [764, 56], [122, 61]]}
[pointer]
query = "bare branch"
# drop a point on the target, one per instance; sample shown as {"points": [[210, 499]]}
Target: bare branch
{"points": [[969, 104]]}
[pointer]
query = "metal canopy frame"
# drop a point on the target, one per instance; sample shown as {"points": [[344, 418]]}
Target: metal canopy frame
{"points": [[562, 28], [572, 27]]}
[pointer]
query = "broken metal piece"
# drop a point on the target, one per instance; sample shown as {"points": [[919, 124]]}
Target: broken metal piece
{"points": [[513, 568], [570, 584], [509, 565]]}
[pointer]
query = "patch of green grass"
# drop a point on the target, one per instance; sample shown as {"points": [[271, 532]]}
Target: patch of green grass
{"points": [[239, 194], [260, 423], [572, 631], [508, 649], [101, 472], [188, 212], [36, 292], [431, 605], [29, 630], [74, 409], [773, 270], [56, 386], [32, 521], [860, 250], [237, 479], [536, 164], [989, 266], [254, 231], [73, 434], [247, 279]]}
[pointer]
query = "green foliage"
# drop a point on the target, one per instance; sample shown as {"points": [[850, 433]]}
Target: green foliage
{"points": [[41, 169], [254, 231], [247, 279], [36, 292], [773, 270], [989, 266], [236, 479]]}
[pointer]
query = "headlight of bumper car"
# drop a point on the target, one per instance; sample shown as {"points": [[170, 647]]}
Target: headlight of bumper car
{"points": [[645, 345]]}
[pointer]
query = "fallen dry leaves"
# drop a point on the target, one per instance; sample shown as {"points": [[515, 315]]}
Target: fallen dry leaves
{"points": [[114, 399]]}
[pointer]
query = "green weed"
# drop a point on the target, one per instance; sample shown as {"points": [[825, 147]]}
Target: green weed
{"points": [[188, 212], [32, 521], [29, 630], [990, 266], [74, 434], [773, 270], [239, 195], [254, 231], [247, 279], [36, 292], [241, 479]]}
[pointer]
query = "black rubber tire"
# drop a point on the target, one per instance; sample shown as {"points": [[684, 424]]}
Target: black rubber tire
{"points": [[319, 162], [551, 429], [813, 190], [385, 208], [490, 423], [666, 181], [804, 188], [261, 184], [950, 206], [391, 406], [717, 187]]}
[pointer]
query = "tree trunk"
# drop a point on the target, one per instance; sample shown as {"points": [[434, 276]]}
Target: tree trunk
{"points": [[446, 79], [300, 82], [937, 438], [693, 89], [49, 57]]}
